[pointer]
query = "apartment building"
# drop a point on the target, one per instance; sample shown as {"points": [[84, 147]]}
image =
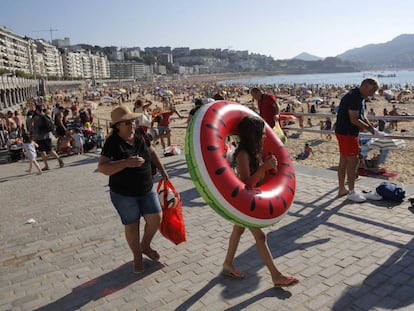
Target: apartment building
{"points": [[84, 64], [100, 67], [35, 57], [51, 56], [14, 52], [72, 64], [129, 70]]}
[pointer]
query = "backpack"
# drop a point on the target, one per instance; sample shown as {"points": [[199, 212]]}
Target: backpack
{"points": [[46, 124], [391, 191]]}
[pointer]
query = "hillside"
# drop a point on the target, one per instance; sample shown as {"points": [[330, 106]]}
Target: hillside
{"points": [[307, 57], [395, 54]]}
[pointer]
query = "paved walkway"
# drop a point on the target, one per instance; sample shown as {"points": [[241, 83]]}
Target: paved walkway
{"points": [[347, 256]]}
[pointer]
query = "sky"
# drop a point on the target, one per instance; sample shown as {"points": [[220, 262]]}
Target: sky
{"points": [[280, 29]]}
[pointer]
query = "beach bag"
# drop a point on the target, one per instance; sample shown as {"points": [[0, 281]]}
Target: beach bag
{"points": [[172, 150], [172, 223], [391, 191], [279, 132]]}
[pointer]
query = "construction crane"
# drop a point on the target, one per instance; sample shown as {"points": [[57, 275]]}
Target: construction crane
{"points": [[51, 30]]}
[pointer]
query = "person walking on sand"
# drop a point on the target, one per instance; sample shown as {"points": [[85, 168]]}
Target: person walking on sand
{"points": [[29, 147], [251, 168], [269, 110], [351, 118], [126, 158], [164, 129]]}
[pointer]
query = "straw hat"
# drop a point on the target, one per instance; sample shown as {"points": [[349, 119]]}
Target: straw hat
{"points": [[122, 113]]}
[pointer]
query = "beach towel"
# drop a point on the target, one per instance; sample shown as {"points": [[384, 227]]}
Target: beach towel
{"points": [[376, 173]]}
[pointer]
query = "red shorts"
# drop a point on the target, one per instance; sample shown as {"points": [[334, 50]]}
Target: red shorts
{"points": [[348, 145]]}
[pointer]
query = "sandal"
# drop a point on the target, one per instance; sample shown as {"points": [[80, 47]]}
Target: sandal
{"points": [[138, 268], [232, 273], [152, 254], [289, 281]]}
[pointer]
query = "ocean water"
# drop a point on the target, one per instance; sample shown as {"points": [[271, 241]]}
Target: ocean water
{"points": [[402, 79]]}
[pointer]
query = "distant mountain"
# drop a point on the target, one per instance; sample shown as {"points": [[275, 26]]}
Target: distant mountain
{"points": [[307, 57], [395, 54]]}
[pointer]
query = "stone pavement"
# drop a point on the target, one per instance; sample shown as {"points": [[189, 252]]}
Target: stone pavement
{"points": [[347, 256]]}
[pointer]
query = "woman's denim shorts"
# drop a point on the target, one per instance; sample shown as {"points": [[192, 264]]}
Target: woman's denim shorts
{"points": [[130, 209]]}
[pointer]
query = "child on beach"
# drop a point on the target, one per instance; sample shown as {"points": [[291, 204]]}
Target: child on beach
{"points": [[100, 137], [29, 147], [305, 154], [78, 140], [251, 168], [65, 143]]}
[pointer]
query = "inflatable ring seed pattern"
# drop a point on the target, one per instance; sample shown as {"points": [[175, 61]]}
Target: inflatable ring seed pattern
{"points": [[216, 181]]}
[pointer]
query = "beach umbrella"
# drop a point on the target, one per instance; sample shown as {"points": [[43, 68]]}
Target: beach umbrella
{"points": [[165, 92], [389, 95], [316, 100], [294, 102], [90, 104], [386, 144], [107, 99]]}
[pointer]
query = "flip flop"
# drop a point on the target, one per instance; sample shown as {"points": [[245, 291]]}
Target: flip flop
{"points": [[152, 254], [232, 273], [138, 269], [289, 281], [342, 194]]}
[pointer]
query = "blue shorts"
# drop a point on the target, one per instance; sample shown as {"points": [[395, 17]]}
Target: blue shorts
{"points": [[163, 129], [130, 209]]}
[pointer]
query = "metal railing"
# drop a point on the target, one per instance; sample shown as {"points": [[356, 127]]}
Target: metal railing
{"points": [[362, 134]]}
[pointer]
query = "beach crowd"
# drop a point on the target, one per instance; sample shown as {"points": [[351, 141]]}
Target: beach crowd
{"points": [[81, 122]]}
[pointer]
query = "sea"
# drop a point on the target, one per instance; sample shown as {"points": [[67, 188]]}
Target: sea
{"points": [[393, 79]]}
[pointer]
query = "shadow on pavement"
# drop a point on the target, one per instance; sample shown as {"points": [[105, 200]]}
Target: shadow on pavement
{"points": [[100, 287], [310, 216], [279, 293], [388, 287], [271, 292]]}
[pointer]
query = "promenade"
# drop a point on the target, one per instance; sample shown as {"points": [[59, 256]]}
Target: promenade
{"points": [[347, 256]]}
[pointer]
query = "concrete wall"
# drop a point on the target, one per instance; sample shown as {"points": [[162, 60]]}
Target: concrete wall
{"points": [[15, 91]]}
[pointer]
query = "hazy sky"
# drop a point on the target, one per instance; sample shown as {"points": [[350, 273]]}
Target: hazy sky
{"points": [[281, 29]]}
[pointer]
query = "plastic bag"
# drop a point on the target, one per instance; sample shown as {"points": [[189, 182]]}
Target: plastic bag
{"points": [[172, 150], [172, 223]]}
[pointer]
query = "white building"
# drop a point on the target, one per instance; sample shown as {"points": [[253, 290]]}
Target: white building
{"points": [[100, 67], [129, 70], [51, 58], [14, 52], [84, 64], [72, 65], [61, 43]]}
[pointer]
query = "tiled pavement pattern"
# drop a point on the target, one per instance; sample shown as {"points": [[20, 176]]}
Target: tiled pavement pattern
{"points": [[347, 256]]}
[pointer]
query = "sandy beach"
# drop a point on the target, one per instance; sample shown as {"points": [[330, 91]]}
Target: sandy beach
{"points": [[325, 150]]}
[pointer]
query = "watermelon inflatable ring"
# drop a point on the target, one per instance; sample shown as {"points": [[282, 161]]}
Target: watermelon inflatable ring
{"points": [[216, 181]]}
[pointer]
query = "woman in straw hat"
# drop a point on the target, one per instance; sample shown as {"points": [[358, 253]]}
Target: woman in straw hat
{"points": [[126, 159]]}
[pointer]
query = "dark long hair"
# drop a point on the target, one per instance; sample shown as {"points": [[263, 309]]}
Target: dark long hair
{"points": [[250, 132]]}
